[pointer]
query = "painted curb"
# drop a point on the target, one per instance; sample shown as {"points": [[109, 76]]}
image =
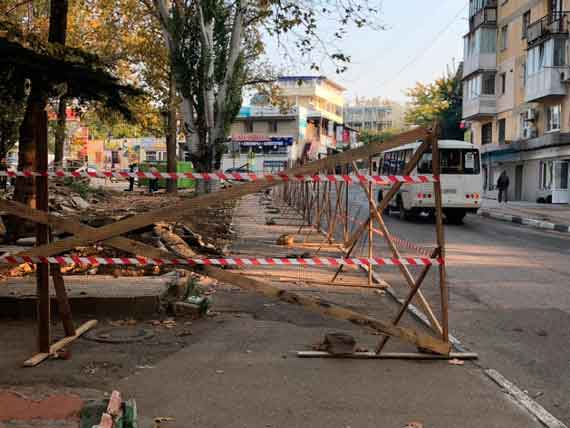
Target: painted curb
{"points": [[538, 224], [524, 400]]}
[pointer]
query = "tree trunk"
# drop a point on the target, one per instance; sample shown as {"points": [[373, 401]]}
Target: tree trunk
{"points": [[25, 191], [60, 132], [58, 21], [171, 140], [34, 128]]}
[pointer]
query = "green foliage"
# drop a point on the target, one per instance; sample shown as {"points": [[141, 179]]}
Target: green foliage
{"points": [[438, 101], [368, 137], [50, 65], [12, 107]]}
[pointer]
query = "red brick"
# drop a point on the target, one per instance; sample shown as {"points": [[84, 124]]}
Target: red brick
{"points": [[15, 406]]}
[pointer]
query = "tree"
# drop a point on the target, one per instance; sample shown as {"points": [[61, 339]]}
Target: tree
{"points": [[50, 66], [441, 101], [216, 45]]}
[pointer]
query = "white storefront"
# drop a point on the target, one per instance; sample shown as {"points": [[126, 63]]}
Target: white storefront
{"points": [[538, 170]]}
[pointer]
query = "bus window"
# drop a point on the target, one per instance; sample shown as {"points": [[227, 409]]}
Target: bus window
{"points": [[453, 161], [374, 166], [401, 162], [380, 163]]}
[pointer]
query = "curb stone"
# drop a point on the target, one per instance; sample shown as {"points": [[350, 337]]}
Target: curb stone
{"points": [[539, 224]]}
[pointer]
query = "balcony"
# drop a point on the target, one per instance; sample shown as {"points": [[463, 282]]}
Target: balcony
{"points": [[553, 24], [479, 107], [543, 84], [485, 16], [479, 61]]}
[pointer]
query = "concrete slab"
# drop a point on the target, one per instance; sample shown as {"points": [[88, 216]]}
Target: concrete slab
{"points": [[96, 295]]}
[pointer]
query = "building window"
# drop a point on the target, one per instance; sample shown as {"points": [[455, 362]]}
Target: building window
{"points": [[502, 130], [489, 84], [272, 126], [559, 58], [553, 118], [525, 23], [504, 37], [546, 174], [487, 133], [524, 75], [503, 83], [151, 156], [248, 126]]}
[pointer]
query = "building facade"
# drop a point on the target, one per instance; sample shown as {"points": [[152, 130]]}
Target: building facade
{"points": [[323, 101], [515, 95], [374, 115], [266, 138], [263, 139]]}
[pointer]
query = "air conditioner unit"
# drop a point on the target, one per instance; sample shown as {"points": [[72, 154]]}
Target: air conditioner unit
{"points": [[526, 133], [529, 133]]}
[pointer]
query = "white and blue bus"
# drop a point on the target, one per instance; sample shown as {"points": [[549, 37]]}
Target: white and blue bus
{"points": [[461, 180]]}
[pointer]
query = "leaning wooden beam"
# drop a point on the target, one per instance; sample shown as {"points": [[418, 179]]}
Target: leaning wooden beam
{"points": [[180, 210], [330, 310], [60, 344], [324, 308], [390, 355]]}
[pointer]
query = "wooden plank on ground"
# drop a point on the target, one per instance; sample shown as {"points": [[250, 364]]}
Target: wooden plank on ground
{"points": [[60, 344], [391, 355]]}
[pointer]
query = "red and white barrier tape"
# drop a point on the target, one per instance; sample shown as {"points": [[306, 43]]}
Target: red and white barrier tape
{"points": [[352, 178], [400, 242], [226, 261]]}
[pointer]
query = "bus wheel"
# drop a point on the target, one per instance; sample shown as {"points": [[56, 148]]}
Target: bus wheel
{"points": [[455, 216]]}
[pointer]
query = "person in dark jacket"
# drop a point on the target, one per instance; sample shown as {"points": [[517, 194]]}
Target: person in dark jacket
{"points": [[503, 186]]}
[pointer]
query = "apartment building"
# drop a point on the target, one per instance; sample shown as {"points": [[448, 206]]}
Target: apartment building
{"points": [[374, 114], [323, 100], [515, 95], [266, 138]]}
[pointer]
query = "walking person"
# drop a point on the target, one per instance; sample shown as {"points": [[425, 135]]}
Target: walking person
{"points": [[132, 170], [153, 182], [503, 186]]}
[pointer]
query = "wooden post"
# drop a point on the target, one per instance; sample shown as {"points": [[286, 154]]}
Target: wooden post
{"points": [[42, 232], [436, 169], [346, 207], [370, 223]]}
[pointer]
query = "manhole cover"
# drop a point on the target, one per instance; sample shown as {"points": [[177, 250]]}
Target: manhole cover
{"points": [[119, 334]]}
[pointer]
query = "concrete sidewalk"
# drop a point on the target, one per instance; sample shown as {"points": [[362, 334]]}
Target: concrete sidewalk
{"points": [[244, 372], [542, 216]]}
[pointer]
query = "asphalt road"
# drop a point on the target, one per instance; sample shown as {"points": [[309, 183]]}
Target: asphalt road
{"points": [[509, 298]]}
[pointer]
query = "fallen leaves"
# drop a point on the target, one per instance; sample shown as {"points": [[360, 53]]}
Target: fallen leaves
{"points": [[161, 419]]}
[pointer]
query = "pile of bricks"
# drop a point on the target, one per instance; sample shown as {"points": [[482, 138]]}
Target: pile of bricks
{"points": [[119, 414]]}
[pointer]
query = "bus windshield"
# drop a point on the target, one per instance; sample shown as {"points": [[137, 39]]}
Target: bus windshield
{"points": [[453, 161]]}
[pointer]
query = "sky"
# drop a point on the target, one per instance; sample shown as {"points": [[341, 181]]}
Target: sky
{"points": [[421, 39]]}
